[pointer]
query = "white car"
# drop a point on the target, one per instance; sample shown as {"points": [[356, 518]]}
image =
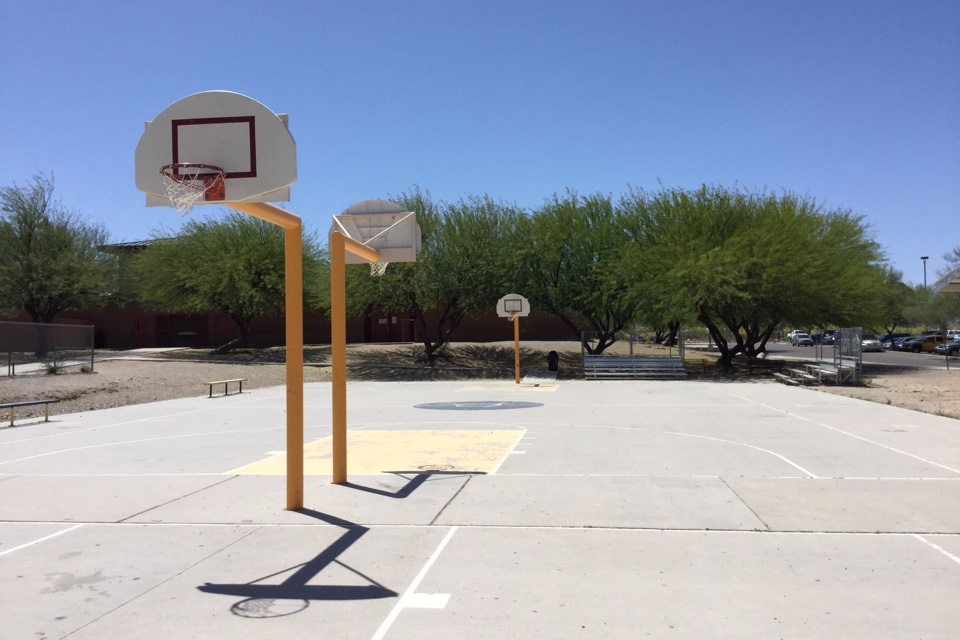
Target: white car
{"points": [[870, 343], [801, 339]]}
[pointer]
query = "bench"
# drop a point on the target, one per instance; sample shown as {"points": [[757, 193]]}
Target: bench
{"points": [[846, 370], [757, 365], [30, 403], [226, 385], [782, 377], [632, 368], [802, 376]]}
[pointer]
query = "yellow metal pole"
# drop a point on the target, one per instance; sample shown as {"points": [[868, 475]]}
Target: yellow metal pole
{"points": [[338, 356], [339, 245], [293, 294], [516, 348]]}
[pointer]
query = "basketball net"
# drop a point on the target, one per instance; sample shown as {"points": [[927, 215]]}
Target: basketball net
{"points": [[378, 268], [187, 183]]}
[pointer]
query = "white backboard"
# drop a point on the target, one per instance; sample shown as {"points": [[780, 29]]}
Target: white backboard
{"points": [[513, 305], [224, 129], [381, 225]]}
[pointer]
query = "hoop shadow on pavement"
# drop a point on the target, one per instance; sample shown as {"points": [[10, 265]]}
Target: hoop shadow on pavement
{"points": [[413, 484], [294, 594]]}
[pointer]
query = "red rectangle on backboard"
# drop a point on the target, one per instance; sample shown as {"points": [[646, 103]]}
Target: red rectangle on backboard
{"points": [[194, 139], [513, 304]]}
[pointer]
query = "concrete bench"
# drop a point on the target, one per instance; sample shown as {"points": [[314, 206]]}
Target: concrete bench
{"points": [[30, 403], [632, 368], [226, 385]]}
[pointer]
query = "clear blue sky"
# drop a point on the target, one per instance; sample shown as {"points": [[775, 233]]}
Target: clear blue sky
{"points": [[856, 104]]}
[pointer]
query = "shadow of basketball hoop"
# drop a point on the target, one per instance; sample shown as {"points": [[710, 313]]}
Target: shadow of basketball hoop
{"points": [[420, 476], [295, 594]]}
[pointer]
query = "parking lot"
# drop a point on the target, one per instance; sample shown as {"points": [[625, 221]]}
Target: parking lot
{"points": [[886, 357]]}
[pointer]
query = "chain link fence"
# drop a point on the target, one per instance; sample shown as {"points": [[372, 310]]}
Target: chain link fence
{"points": [[32, 347]]}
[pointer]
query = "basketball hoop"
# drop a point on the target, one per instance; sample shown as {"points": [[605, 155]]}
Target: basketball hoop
{"points": [[378, 268], [187, 183]]}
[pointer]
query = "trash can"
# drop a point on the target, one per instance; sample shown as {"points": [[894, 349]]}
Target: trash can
{"points": [[552, 361]]}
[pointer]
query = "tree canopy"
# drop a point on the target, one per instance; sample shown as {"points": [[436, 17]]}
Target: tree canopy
{"points": [[50, 258], [742, 263], [463, 265], [233, 263], [570, 255]]}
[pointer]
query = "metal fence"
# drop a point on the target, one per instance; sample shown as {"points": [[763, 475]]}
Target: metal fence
{"points": [[634, 343], [35, 347]]}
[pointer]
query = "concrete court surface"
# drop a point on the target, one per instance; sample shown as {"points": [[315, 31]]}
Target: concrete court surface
{"points": [[487, 510]]}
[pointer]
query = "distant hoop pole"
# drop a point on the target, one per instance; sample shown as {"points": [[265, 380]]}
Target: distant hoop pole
{"points": [[516, 348], [339, 245], [293, 295]]}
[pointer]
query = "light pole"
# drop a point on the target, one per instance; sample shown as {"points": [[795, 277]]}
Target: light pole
{"points": [[924, 258]]}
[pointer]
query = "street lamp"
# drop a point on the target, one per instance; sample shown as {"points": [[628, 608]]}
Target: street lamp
{"points": [[924, 258]]}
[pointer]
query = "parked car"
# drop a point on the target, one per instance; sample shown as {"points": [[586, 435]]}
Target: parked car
{"points": [[948, 348], [925, 343], [870, 343], [824, 336], [903, 344], [887, 339], [801, 339]]}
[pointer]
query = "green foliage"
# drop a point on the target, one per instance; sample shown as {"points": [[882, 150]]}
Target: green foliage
{"points": [[570, 252], [54, 365], [739, 263], [50, 258], [932, 308], [897, 298], [464, 265], [742, 263], [234, 264]]}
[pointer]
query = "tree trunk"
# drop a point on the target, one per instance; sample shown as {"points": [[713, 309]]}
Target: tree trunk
{"points": [[243, 323], [42, 349]]}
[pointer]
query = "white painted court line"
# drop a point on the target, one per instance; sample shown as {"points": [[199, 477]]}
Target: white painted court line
{"points": [[122, 442], [846, 433], [39, 540], [937, 547], [134, 421], [410, 598], [749, 446]]}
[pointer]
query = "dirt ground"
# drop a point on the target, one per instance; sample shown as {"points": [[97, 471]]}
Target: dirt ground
{"points": [[118, 380]]}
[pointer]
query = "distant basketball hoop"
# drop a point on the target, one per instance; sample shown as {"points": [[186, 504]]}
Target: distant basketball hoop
{"points": [[512, 305]]}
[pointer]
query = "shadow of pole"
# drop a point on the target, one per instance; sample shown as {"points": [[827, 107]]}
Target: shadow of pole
{"points": [[412, 485], [294, 594]]}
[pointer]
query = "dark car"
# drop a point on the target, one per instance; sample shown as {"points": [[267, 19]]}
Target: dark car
{"points": [[948, 348], [886, 339], [903, 344], [824, 336]]}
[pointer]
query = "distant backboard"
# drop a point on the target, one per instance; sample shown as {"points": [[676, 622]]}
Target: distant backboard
{"points": [[513, 305], [381, 225], [223, 129]]}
